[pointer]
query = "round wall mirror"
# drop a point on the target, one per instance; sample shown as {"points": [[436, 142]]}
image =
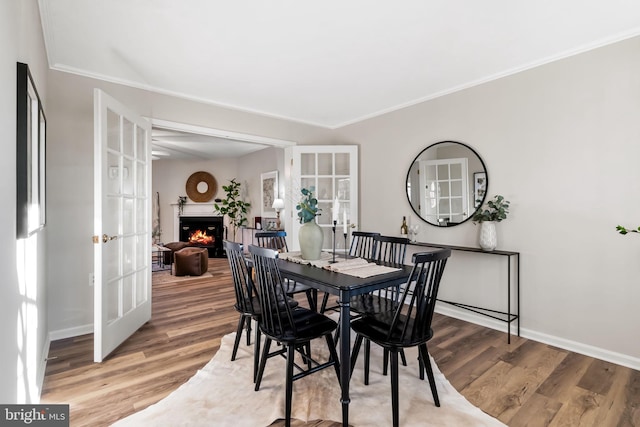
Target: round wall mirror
{"points": [[447, 183]]}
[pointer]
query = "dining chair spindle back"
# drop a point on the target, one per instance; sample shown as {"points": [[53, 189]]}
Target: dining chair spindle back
{"points": [[277, 240]]}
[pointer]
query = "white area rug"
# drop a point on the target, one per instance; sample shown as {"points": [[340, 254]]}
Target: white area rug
{"points": [[222, 394]]}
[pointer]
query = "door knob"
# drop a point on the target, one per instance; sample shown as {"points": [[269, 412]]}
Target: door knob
{"points": [[106, 238]]}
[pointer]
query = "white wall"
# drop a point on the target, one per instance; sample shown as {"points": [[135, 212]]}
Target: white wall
{"points": [[23, 317], [562, 143]]}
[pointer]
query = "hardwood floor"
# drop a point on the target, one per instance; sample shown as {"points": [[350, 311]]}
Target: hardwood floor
{"points": [[522, 384]]}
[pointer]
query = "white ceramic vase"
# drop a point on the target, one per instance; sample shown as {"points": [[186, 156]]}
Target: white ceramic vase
{"points": [[488, 238], [311, 238]]}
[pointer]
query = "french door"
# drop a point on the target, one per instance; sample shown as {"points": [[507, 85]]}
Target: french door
{"points": [[332, 171], [122, 223]]}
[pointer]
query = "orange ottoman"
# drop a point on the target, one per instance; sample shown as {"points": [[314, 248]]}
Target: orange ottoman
{"points": [[191, 261]]}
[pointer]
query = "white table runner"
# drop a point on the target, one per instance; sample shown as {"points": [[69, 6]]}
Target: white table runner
{"points": [[357, 267]]}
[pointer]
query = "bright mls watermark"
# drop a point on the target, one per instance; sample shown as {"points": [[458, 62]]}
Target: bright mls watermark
{"points": [[34, 415]]}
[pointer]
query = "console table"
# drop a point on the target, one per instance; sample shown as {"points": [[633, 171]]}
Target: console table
{"points": [[512, 257]]}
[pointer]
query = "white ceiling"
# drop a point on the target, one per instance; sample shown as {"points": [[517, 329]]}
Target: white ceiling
{"points": [[329, 62], [171, 144]]}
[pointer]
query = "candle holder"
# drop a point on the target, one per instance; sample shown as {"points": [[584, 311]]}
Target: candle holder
{"points": [[334, 241], [346, 251]]}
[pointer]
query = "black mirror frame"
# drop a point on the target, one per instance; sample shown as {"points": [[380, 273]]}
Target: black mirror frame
{"points": [[30, 155], [483, 197]]}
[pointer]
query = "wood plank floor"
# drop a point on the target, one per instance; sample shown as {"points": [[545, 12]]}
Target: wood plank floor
{"points": [[522, 384]]}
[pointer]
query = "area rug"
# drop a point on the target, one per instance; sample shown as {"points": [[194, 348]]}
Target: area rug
{"points": [[222, 394]]}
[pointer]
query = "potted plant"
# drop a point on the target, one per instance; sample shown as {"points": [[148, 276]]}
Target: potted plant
{"points": [[181, 202], [233, 206], [310, 236], [496, 210]]}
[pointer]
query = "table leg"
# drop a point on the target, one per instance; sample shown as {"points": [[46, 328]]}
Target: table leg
{"points": [[345, 354]]}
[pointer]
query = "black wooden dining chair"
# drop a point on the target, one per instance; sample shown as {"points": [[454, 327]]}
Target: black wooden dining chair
{"points": [[409, 325], [391, 250], [292, 327], [247, 303], [363, 245], [277, 240]]}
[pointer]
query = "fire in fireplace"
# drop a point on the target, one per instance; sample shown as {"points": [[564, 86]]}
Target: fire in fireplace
{"points": [[201, 238], [203, 231]]}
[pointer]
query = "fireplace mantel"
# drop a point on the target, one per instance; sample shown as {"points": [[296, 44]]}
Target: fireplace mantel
{"points": [[190, 209]]}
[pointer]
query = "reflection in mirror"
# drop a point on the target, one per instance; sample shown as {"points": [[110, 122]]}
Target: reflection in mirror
{"points": [[447, 183]]}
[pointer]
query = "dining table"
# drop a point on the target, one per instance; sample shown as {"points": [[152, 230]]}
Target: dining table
{"points": [[344, 286]]}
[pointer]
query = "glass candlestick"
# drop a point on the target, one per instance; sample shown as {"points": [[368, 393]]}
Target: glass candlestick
{"points": [[346, 252]]}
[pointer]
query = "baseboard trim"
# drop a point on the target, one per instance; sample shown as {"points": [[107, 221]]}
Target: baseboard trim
{"points": [[70, 332], [576, 347]]}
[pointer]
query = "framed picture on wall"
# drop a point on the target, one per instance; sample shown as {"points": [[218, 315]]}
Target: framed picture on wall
{"points": [[30, 156], [479, 187], [269, 192]]}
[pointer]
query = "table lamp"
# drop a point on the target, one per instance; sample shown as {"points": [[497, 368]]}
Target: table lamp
{"points": [[278, 205]]}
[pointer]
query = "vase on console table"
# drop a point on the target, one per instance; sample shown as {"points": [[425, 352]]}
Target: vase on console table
{"points": [[310, 238], [488, 237]]}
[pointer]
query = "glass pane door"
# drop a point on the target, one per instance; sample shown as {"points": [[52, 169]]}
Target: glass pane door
{"points": [[331, 171]]}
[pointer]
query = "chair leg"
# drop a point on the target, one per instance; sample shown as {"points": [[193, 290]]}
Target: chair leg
{"points": [[256, 355], [289, 384], [312, 297], [420, 366], [248, 331], [385, 361], [334, 355], [403, 358], [367, 360], [263, 362], [427, 364], [236, 343], [394, 389], [308, 349], [325, 300]]}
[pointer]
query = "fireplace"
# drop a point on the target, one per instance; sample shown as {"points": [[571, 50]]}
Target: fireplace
{"points": [[204, 232]]}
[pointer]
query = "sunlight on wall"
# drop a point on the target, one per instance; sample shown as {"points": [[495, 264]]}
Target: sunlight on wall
{"points": [[27, 331]]}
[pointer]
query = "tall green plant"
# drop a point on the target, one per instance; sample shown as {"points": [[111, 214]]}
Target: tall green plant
{"points": [[233, 206]]}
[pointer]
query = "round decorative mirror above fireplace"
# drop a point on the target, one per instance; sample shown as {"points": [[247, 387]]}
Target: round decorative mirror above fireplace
{"points": [[446, 183]]}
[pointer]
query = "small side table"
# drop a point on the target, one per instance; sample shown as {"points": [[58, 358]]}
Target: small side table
{"points": [[157, 252]]}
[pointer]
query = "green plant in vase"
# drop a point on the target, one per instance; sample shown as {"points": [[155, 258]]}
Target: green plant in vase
{"points": [[307, 207], [496, 211], [311, 235], [233, 206]]}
